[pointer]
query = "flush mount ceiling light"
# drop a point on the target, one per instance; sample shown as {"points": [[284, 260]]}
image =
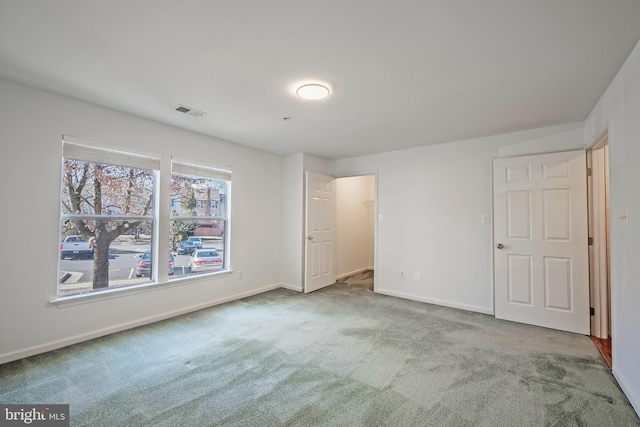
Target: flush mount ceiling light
{"points": [[312, 92]]}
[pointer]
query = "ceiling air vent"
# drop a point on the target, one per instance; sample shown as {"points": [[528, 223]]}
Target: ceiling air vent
{"points": [[188, 110]]}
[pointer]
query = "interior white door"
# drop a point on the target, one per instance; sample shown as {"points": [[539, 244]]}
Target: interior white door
{"points": [[541, 240], [320, 232]]}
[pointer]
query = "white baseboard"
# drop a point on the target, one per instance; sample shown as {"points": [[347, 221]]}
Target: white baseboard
{"points": [[292, 287], [436, 301], [54, 345], [351, 273], [628, 391]]}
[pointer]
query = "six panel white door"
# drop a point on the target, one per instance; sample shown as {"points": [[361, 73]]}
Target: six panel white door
{"points": [[541, 240], [320, 233]]}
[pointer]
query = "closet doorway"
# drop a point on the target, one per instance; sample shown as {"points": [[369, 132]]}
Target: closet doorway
{"points": [[355, 230]]}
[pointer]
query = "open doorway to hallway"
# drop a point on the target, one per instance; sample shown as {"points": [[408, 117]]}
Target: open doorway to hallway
{"points": [[355, 230]]}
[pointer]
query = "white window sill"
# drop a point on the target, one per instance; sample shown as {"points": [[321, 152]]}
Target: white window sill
{"points": [[109, 293]]}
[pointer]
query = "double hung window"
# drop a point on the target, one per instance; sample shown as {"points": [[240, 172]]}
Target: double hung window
{"points": [[199, 216], [107, 216]]}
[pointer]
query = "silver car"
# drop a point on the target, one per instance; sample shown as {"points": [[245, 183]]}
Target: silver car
{"points": [[205, 259]]}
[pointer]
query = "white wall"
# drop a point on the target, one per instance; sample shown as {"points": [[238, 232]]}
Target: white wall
{"points": [[32, 123], [315, 164], [569, 137], [354, 224], [292, 221], [619, 111], [432, 199]]}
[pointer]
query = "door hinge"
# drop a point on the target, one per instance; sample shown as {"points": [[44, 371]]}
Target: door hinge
{"points": [[589, 172], [592, 311], [590, 241]]}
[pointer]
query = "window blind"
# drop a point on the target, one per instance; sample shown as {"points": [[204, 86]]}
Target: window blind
{"points": [[73, 150], [189, 169]]}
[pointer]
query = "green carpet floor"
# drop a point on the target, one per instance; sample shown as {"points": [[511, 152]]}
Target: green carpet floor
{"points": [[342, 356]]}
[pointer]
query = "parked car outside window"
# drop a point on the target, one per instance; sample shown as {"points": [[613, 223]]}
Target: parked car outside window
{"points": [[75, 247], [186, 247], [143, 268], [197, 241], [205, 259]]}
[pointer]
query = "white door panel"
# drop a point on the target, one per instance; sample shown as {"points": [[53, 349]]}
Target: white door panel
{"points": [[540, 219], [520, 289], [320, 233], [519, 215]]}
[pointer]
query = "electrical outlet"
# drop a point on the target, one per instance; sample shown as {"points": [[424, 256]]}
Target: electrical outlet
{"points": [[402, 274], [624, 217], [240, 275]]}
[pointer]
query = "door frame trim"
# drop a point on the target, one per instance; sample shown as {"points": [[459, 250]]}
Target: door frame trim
{"points": [[599, 227]]}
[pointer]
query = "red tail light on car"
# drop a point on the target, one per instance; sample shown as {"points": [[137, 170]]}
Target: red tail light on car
{"points": [[141, 264]]}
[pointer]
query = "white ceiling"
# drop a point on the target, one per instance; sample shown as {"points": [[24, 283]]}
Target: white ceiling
{"points": [[402, 73]]}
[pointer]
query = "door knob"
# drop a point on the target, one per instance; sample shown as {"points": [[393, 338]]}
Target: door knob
{"points": [[310, 237], [499, 246]]}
